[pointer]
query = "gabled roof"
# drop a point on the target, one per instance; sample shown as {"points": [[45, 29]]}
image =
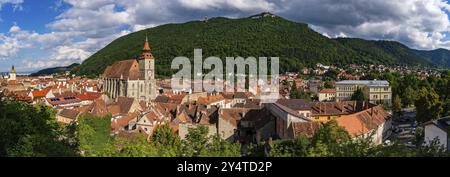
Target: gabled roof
{"points": [[128, 69], [306, 128], [88, 96], [69, 113], [125, 104], [40, 93], [295, 104], [443, 123], [210, 99], [124, 121], [364, 121]]}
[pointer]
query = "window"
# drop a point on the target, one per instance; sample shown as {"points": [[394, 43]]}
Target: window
{"points": [[386, 89], [385, 96], [142, 88]]}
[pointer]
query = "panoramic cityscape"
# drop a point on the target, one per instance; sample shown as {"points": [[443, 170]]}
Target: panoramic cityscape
{"points": [[252, 80]]}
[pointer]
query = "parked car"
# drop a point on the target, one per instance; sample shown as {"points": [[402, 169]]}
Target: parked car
{"points": [[411, 144]]}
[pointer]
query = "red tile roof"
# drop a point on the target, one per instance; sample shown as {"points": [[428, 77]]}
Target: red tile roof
{"points": [[40, 93], [362, 122], [62, 100], [128, 69], [328, 90], [88, 96]]}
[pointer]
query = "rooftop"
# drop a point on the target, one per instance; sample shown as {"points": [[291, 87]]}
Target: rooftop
{"points": [[364, 82]]}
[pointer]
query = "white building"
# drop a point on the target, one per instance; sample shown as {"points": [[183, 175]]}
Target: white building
{"points": [[437, 130]]}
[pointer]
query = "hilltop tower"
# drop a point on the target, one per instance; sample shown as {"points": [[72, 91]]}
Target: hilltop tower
{"points": [[147, 71]]}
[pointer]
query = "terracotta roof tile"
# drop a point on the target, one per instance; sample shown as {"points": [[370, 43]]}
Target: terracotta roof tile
{"points": [[128, 69], [69, 113]]}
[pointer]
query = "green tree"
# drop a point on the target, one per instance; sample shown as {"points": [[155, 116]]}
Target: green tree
{"points": [[221, 148], [134, 147], [196, 141], [359, 95], [94, 136], [291, 148], [31, 131], [165, 140], [331, 135], [428, 105], [397, 105]]}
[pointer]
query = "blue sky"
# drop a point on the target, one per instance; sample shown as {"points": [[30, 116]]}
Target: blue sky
{"points": [[36, 34]]}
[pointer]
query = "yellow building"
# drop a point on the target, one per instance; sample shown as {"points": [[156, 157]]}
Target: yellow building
{"points": [[377, 91]]}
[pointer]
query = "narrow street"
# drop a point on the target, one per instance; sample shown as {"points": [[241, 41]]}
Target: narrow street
{"points": [[404, 128]]}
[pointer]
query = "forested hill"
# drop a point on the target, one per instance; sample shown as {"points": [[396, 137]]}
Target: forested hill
{"points": [[55, 70], [295, 43], [440, 57]]}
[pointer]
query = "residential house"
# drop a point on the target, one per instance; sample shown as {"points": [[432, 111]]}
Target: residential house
{"points": [[438, 130], [67, 116]]}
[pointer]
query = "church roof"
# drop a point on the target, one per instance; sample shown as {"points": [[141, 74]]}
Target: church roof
{"points": [[146, 45], [128, 69]]}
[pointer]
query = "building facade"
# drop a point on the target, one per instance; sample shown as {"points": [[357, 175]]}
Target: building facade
{"points": [[376, 91], [132, 78], [327, 95]]}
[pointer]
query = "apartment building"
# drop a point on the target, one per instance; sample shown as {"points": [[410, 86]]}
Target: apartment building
{"points": [[377, 91]]}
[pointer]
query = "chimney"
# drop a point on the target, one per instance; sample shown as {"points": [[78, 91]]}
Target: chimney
{"points": [[354, 105], [371, 111]]}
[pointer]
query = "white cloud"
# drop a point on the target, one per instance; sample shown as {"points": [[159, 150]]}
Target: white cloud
{"points": [[14, 29], [16, 4]]}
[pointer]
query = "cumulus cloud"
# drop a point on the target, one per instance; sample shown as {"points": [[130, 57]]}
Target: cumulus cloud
{"points": [[15, 3], [417, 23]]}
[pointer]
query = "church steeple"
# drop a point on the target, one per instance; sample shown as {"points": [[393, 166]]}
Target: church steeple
{"points": [[12, 69], [146, 54], [146, 45]]}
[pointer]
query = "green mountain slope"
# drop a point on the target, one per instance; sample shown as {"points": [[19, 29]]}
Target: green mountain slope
{"points": [[383, 52], [295, 43], [441, 57], [55, 70]]}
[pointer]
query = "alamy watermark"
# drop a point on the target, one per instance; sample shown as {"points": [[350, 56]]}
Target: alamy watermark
{"points": [[255, 79]]}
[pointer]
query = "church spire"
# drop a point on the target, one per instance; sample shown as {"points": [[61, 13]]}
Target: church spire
{"points": [[146, 44], [12, 69], [146, 54]]}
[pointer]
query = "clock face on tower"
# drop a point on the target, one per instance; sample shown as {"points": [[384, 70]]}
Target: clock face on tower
{"points": [[150, 73]]}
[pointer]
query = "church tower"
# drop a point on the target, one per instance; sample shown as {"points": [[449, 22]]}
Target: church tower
{"points": [[147, 71], [12, 74]]}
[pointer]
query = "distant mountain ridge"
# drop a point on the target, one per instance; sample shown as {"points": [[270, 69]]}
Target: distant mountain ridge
{"points": [[260, 35], [440, 57], [54, 70]]}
